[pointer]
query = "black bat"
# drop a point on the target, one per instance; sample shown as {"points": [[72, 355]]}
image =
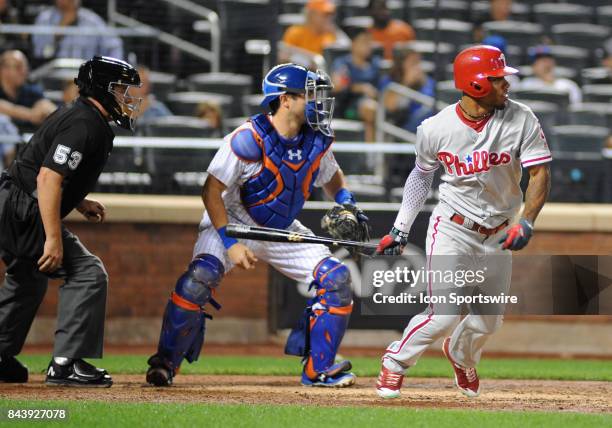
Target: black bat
{"points": [[279, 235]]}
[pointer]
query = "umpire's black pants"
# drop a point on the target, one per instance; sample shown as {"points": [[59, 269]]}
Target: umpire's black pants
{"points": [[82, 298]]}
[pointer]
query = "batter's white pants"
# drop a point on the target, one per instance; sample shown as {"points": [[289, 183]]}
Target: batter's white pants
{"points": [[452, 246]]}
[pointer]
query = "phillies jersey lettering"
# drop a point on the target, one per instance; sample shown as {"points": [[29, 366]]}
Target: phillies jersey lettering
{"points": [[476, 162], [481, 170]]}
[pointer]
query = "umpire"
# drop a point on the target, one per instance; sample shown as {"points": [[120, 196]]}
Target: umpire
{"points": [[49, 178]]}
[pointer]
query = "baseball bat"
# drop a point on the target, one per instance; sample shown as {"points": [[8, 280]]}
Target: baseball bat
{"points": [[269, 234]]}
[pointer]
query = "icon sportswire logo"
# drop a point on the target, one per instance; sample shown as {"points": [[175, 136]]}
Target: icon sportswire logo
{"points": [[473, 163]]}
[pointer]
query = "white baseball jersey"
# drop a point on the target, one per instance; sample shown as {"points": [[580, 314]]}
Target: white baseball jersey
{"points": [[294, 260], [482, 170]]}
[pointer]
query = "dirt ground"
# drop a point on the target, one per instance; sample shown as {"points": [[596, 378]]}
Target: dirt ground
{"points": [[518, 395]]}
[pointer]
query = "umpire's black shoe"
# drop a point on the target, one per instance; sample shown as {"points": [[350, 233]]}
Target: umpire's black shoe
{"points": [[77, 373], [12, 371], [159, 374]]}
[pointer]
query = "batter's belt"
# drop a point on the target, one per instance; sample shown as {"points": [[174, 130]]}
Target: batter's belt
{"points": [[472, 225]]}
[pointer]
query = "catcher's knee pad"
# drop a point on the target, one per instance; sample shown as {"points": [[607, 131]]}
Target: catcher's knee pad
{"points": [[329, 316], [183, 326]]}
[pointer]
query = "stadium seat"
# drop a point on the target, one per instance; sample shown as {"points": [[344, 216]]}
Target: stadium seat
{"points": [[570, 56], [549, 14], [579, 138], [449, 9], [546, 112], [559, 98], [480, 11], [350, 131], [596, 75], [560, 71], [516, 33], [357, 22], [292, 6], [177, 126], [162, 84], [577, 179], [55, 79], [286, 20], [185, 103], [449, 31], [604, 15], [235, 85], [444, 53], [587, 36], [597, 93], [596, 114], [348, 8], [251, 104], [447, 92]]}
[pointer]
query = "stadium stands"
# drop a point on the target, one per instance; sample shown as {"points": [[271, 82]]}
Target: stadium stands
{"points": [[176, 40]]}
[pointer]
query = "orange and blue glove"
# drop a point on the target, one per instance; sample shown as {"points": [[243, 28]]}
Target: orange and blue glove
{"points": [[517, 237]]}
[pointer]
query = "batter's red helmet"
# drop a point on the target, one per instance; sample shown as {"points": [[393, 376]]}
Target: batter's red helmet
{"points": [[473, 65]]}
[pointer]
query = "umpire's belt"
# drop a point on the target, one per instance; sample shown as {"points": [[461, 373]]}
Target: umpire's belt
{"points": [[472, 225]]}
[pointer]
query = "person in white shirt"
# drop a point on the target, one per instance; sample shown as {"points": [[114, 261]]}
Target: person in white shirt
{"points": [[544, 75]]}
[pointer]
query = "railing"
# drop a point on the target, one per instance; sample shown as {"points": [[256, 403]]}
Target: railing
{"points": [[383, 127], [212, 56]]}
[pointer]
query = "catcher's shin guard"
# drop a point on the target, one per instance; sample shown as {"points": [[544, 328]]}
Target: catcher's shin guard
{"points": [[329, 316], [182, 333]]}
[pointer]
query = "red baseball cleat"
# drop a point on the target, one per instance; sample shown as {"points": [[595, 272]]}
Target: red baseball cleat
{"points": [[388, 384], [466, 379]]}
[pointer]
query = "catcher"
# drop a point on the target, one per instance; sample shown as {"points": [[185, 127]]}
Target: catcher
{"points": [[262, 175]]}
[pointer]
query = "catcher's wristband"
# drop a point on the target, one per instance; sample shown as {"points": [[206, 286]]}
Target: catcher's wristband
{"points": [[344, 196], [227, 241]]}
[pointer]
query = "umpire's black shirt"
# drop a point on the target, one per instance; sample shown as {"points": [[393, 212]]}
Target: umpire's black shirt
{"points": [[75, 141]]}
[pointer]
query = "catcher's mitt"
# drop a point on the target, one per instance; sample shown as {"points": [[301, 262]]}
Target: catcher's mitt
{"points": [[346, 222]]}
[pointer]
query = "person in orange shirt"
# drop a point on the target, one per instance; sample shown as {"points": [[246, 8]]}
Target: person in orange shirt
{"points": [[318, 30], [388, 31]]}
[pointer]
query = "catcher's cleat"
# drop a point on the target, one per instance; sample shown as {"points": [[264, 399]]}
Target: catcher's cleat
{"points": [[466, 379], [12, 371], [159, 374], [337, 376], [389, 384], [77, 373]]}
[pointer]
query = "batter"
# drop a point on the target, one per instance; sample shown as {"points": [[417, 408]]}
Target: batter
{"points": [[481, 143]]}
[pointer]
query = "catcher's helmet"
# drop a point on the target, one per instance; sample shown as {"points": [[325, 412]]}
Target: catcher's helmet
{"points": [[108, 80], [316, 86], [474, 65]]}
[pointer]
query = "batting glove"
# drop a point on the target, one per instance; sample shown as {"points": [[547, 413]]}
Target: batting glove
{"points": [[392, 244], [517, 236]]}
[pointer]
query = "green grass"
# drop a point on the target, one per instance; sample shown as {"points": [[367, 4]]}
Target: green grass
{"points": [[427, 367], [86, 414]]}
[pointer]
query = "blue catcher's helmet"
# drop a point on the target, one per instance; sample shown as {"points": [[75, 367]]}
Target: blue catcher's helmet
{"points": [[316, 87]]}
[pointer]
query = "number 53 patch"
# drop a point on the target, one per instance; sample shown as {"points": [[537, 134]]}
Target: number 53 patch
{"points": [[64, 154]]}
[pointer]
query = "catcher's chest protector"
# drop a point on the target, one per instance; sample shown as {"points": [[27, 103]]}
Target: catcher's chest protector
{"points": [[275, 196]]}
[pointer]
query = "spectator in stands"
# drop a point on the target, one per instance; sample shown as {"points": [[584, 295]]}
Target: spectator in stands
{"points": [[8, 135], [607, 56], [318, 31], [407, 70], [23, 102], [356, 77], [211, 112], [543, 63], [10, 15], [387, 31], [69, 13], [500, 10], [150, 107]]}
